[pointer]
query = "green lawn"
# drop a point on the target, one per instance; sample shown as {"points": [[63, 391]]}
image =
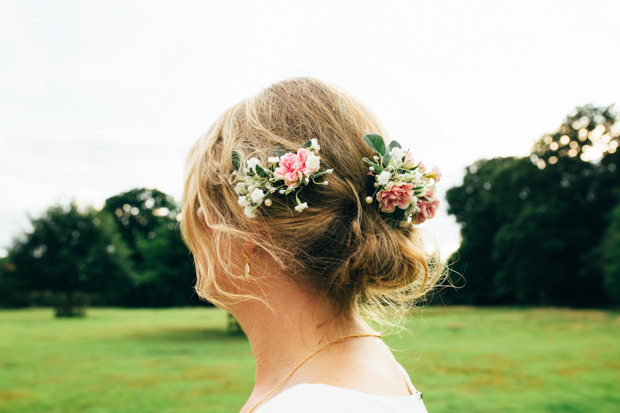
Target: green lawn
{"points": [[181, 360]]}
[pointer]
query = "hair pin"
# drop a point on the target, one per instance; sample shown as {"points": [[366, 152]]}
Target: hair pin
{"points": [[284, 174], [403, 188]]}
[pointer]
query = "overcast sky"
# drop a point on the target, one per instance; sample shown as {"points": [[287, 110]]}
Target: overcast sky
{"points": [[99, 97]]}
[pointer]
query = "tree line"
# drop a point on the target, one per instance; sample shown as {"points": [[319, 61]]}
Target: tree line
{"points": [[543, 229], [537, 230], [129, 253]]}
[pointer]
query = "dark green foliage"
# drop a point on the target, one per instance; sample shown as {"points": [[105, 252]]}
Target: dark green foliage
{"points": [[130, 254], [138, 212], [165, 274], [531, 229], [610, 255], [70, 253], [168, 274]]}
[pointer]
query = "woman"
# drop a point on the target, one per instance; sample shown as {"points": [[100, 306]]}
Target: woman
{"points": [[302, 221]]}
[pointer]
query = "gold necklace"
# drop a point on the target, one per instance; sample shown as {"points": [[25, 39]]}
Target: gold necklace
{"points": [[308, 357]]}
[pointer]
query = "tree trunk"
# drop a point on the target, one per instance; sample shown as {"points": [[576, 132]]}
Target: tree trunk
{"points": [[69, 304]]}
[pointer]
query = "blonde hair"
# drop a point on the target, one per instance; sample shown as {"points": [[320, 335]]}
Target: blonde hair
{"points": [[340, 248]]}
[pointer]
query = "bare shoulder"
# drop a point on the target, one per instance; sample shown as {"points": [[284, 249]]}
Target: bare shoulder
{"points": [[366, 366]]}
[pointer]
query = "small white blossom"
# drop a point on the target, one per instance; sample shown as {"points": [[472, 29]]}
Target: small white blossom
{"points": [[239, 188], [383, 178], [243, 201], [272, 190], [307, 180], [397, 153], [273, 159], [329, 171], [252, 162], [376, 158], [282, 191], [257, 195], [268, 185], [372, 168], [313, 162], [301, 207], [315, 144], [325, 183], [249, 212]]}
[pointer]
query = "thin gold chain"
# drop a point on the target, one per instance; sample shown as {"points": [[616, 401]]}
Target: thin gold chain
{"points": [[308, 357]]}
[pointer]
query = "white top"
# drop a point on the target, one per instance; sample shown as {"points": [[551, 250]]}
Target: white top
{"points": [[324, 398]]}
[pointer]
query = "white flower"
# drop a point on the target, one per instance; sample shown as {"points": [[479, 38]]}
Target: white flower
{"points": [[301, 207], [257, 195], [273, 159], [315, 144], [239, 188], [397, 153], [313, 162], [383, 178], [372, 168], [249, 212], [252, 162], [243, 201]]}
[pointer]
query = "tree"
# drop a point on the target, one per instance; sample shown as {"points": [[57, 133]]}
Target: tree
{"points": [[480, 206], [138, 212], [71, 252], [588, 133], [165, 274], [610, 255], [531, 226], [13, 291]]}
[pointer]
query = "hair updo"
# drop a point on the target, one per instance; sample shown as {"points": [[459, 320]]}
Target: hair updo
{"points": [[340, 247]]}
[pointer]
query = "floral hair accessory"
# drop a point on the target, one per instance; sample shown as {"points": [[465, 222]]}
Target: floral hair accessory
{"points": [[403, 188], [285, 173]]}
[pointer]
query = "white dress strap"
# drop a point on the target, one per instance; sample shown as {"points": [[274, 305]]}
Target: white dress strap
{"points": [[410, 386]]}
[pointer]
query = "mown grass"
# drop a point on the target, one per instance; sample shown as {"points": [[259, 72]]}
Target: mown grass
{"points": [[182, 360]]}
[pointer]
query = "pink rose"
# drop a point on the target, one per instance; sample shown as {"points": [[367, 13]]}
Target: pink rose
{"points": [[399, 194], [428, 208], [293, 166]]}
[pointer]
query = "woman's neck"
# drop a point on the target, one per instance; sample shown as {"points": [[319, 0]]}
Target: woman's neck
{"points": [[281, 338]]}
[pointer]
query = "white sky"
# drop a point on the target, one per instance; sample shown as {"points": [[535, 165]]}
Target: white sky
{"points": [[99, 97]]}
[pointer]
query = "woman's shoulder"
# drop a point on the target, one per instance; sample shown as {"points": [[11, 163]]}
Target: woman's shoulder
{"points": [[324, 398]]}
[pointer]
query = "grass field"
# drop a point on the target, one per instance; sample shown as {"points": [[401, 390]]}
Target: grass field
{"points": [[181, 360]]}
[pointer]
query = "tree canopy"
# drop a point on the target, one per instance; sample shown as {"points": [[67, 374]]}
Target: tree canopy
{"points": [[532, 227]]}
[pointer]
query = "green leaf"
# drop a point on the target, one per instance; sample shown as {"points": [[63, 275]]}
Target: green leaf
{"points": [[385, 160], [235, 160], [261, 172], [307, 144], [375, 142], [394, 144]]}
